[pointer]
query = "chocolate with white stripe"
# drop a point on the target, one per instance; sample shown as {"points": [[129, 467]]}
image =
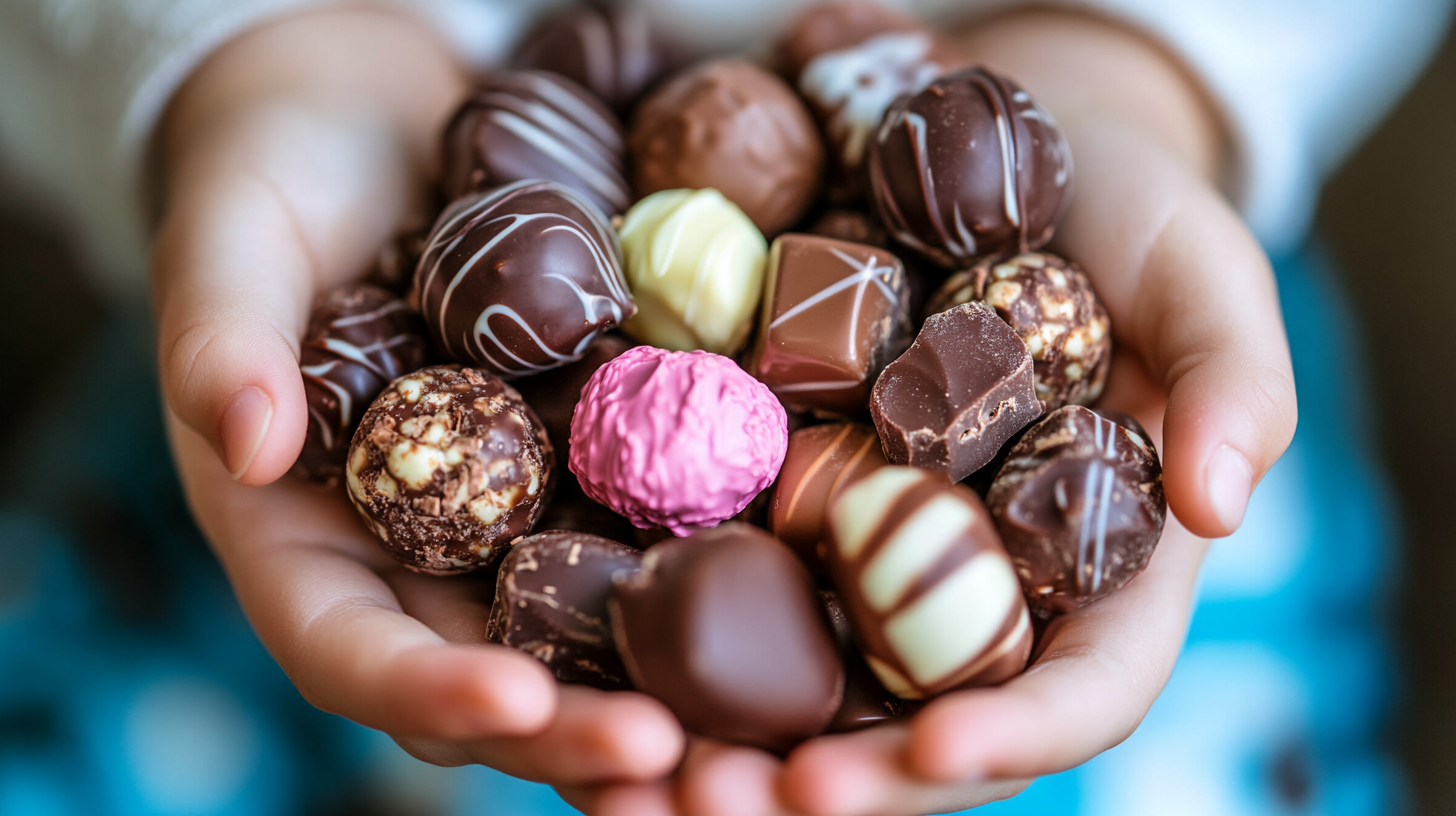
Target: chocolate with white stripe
{"points": [[1080, 507], [521, 278], [535, 124], [821, 462], [359, 338], [834, 313], [927, 586]]}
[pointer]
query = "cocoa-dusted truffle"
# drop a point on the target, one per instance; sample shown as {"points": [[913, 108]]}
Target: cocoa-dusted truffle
{"points": [[726, 629], [963, 388], [447, 467], [521, 278], [734, 127], [551, 602], [926, 584], [536, 125], [971, 167], [1051, 305], [611, 50], [1080, 507], [359, 338]]}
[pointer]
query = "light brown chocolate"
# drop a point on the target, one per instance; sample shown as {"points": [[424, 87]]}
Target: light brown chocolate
{"points": [[822, 461]]}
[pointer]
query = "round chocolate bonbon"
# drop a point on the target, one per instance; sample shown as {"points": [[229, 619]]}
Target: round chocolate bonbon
{"points": [[1050, 303], [521, 278], [726, 629], [731, 126], [359, 338], [695, 265], [551, 602], [971, 167], [447, 467], [926, 584], [822, 460], [536, 125], [674, 439], [1080, 507], [611, 50], [832, 26]]}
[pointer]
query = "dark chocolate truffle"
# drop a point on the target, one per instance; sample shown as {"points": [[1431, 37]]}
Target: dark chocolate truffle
{"points": [[521, 278], [359, 338], [725, 628], [822, 461], [1080, 506], [734, 127], [551, 602], [957, 395], [536, 125], [834, 314], [1051, 305], [971, 167], [611, 50], [926, 584], [447, 467]]}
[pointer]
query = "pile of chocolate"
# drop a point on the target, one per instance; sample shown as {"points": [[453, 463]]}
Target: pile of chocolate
{"points": [[843, 244]]}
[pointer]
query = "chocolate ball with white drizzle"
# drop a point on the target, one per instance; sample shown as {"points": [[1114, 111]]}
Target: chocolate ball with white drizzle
{"points": [[521, 278]]}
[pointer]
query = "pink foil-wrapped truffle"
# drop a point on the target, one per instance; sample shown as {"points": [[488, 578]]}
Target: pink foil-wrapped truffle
{"points": [[681, 440]]}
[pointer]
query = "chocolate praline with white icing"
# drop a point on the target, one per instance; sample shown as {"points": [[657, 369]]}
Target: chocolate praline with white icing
{"points": [[521, 278], [359, 338], [968, 168], [536, 125], [1080, 507], [448, 466]]}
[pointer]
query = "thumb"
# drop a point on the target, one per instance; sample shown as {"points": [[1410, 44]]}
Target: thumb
{"points": [[1192, 294]]}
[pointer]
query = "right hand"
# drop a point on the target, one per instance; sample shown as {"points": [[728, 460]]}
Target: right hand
{"points": [[289, 156]]}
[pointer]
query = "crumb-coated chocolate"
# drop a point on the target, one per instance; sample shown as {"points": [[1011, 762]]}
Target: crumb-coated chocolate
{"points": [[1050, 303], [551, 602], [734, 127], [726, 628], [359, 338], [447, 467], [609, 49], [971, 167], [834, 314], [1080, 507], [536, 125], [963, 388], [866, 700], [521, 278], [822, 461], [928, 588]]}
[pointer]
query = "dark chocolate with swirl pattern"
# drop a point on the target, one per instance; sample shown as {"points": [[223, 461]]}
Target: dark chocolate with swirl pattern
{"points": [[1080, 507], [359, 338], [535, 124], [969, 168], [522, 278], [448, 467]]}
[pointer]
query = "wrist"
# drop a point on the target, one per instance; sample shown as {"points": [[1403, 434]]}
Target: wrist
{"points": [[1093, 74]]}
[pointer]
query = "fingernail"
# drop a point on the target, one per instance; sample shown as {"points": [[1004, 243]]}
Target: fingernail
{"points": [[1230, 481], [244, 425]]}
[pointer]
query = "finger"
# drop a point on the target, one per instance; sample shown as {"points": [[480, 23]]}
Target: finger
{"points": [[861, 775], [728, 780], [305, 572], [595, 736], [1097, 672], [630, 799], [1192, 294]]}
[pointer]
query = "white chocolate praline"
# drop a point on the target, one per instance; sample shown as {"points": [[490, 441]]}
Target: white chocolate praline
{"points": [[695, 265]]}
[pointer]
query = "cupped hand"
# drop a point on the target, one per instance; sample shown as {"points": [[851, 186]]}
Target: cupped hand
{"points": [[1201, 360], [289, 157]]}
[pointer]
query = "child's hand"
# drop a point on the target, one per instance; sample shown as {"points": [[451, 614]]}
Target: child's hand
{"points": [[289, 157], [1202, 361]]}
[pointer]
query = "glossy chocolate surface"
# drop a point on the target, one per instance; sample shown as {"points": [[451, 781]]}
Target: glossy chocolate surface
{"points": [[822, 461], [521, 279], [611, 50], [1080, 506], [866, 700]]}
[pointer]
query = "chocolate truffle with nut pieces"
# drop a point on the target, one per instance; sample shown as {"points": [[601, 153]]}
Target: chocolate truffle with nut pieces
{"points": [[1050, 303], [927, 586], [1080, 507], [448, 466]]}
